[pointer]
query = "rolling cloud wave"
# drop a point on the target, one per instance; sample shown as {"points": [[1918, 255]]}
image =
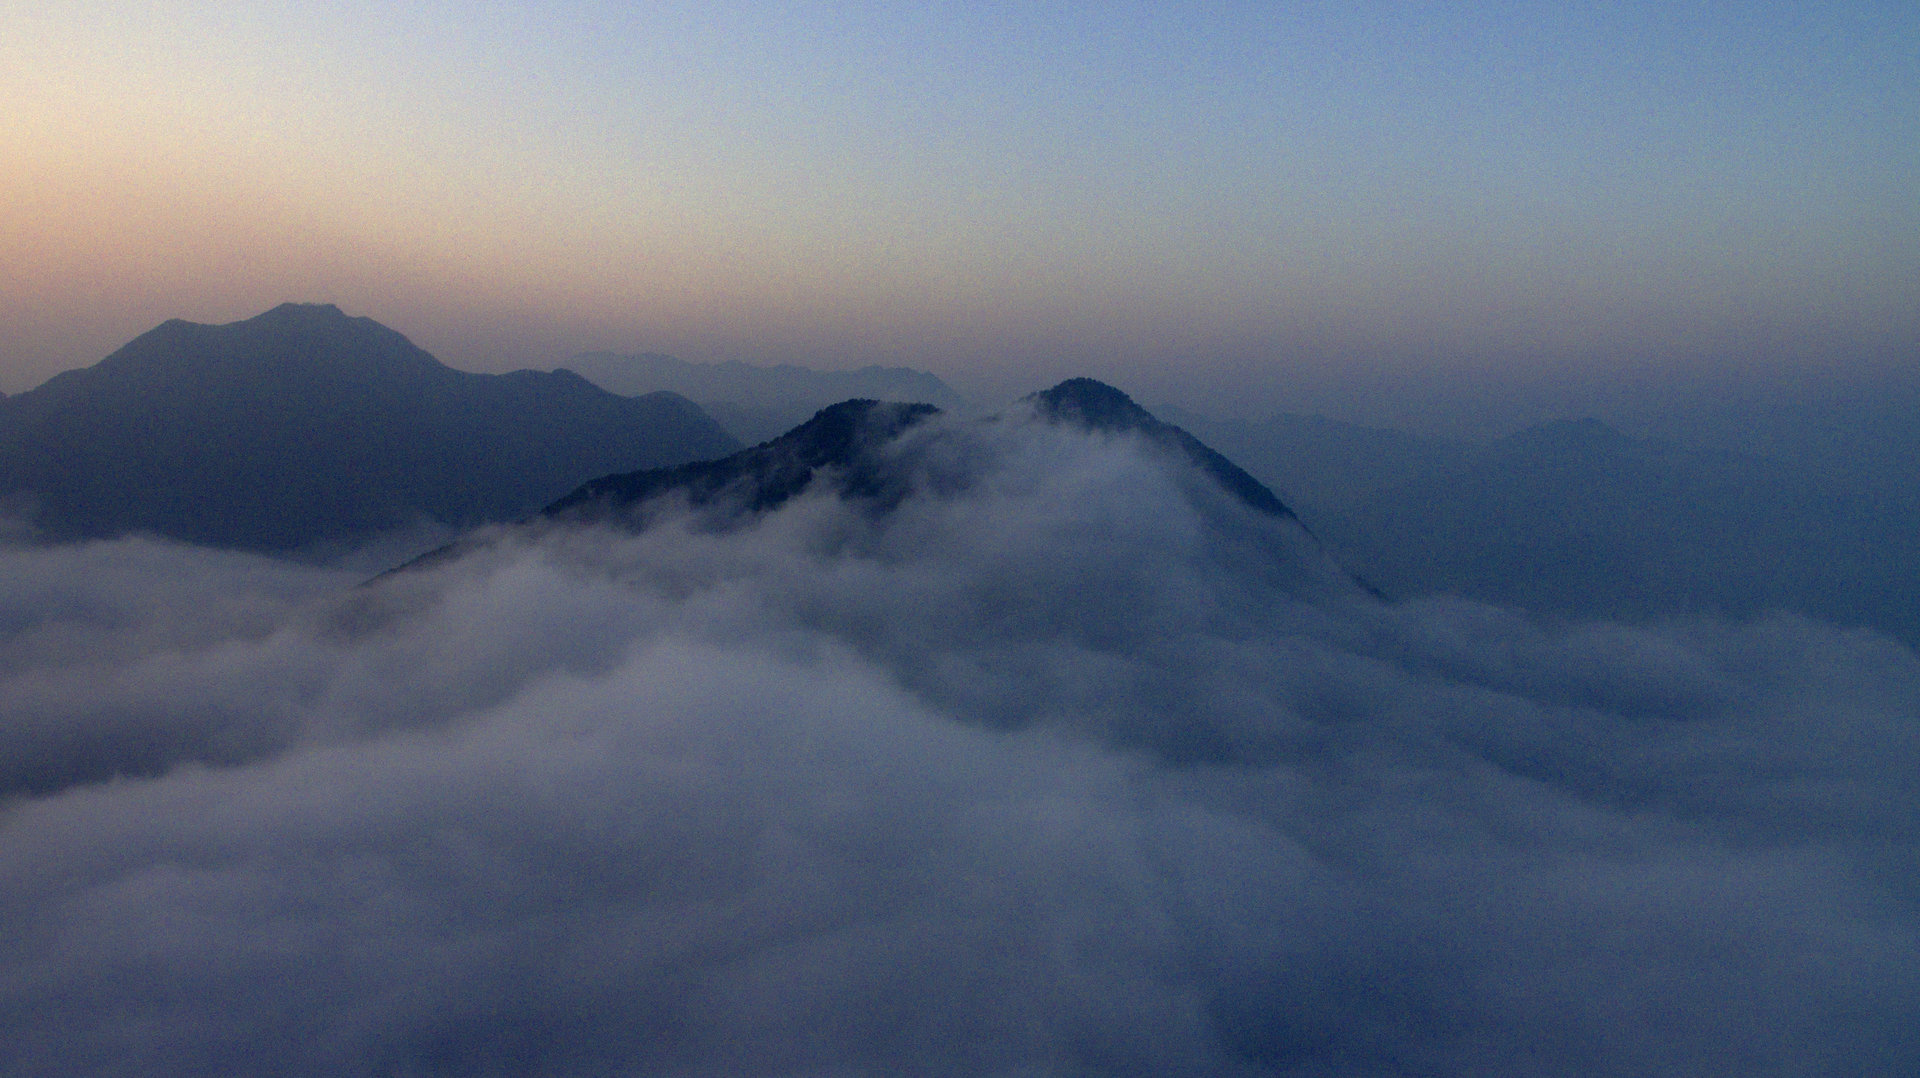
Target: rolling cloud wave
{"points": [[1076, 767]]}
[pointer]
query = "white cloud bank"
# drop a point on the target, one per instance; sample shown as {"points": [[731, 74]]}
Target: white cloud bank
{"points": [[1071, 768]]}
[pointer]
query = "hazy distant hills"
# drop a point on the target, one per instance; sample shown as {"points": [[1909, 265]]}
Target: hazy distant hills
{"points": [[759, 403], [304, 426], [1577, 519]]}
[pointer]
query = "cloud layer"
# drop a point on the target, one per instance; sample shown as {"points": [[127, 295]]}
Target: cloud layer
{"points": [[1075, 767]]}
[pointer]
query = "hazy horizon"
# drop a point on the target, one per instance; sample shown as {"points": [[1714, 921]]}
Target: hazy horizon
{"points": [[909, 741], [1323, 209], [1474, 404]]}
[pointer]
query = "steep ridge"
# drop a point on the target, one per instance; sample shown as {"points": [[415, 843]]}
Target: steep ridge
{"points": [[884, 460], [1100, 407], [304, 426], [847, 443]]}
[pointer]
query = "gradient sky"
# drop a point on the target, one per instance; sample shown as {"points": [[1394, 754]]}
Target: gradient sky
{"points": [[1213, 204]]}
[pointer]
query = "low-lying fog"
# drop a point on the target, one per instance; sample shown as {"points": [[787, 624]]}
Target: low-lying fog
{"points": [[1073, 768]]}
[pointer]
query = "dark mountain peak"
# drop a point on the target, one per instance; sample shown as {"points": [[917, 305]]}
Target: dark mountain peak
{"points": [[310, 313], [844, 441], [1096, 406], [838, 432], [876, 458], [1091, 404], [312, 339], [287, 318], [305, 424], [841, 440], [322, 321]]}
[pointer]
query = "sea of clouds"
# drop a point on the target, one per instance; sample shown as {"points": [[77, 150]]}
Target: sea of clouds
{"points": [[1072, 766]]}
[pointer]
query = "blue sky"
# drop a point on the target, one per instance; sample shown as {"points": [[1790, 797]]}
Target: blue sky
{"points": [[1217, 202]]}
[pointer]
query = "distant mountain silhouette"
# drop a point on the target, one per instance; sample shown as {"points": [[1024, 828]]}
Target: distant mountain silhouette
{"points": [[845, 446], [760, 403], [841, 444], [1578, 519], [304, 426], [881, 456], [1101, 407]]}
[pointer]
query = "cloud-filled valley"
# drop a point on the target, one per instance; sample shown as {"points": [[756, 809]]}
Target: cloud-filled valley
{"points": [[509, 563], [1067, 763]]}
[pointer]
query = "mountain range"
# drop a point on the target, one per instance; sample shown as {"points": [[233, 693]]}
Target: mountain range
{"points": [[305, 427], [879, 457], [847, 446], [1577, 519], [306, 430], [759, 403]]}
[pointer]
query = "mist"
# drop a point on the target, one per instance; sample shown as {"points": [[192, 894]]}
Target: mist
{"points": [[1070, 764]]}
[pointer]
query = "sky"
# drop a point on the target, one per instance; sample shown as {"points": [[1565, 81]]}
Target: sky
{"points": [[1205, 207]]}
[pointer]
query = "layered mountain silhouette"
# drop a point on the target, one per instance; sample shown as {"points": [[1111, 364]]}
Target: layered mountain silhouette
{"points": [[1578, 519], [840, 447], [877, 457], [847, 448], [759, 403], [304, 426]]}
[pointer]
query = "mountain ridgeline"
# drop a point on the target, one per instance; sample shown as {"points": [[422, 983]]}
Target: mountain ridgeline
{"points": [[848, 446], [1577, 519], [304, 427], [304, 430], [882, 457], [841, 445], [760, 403]]}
